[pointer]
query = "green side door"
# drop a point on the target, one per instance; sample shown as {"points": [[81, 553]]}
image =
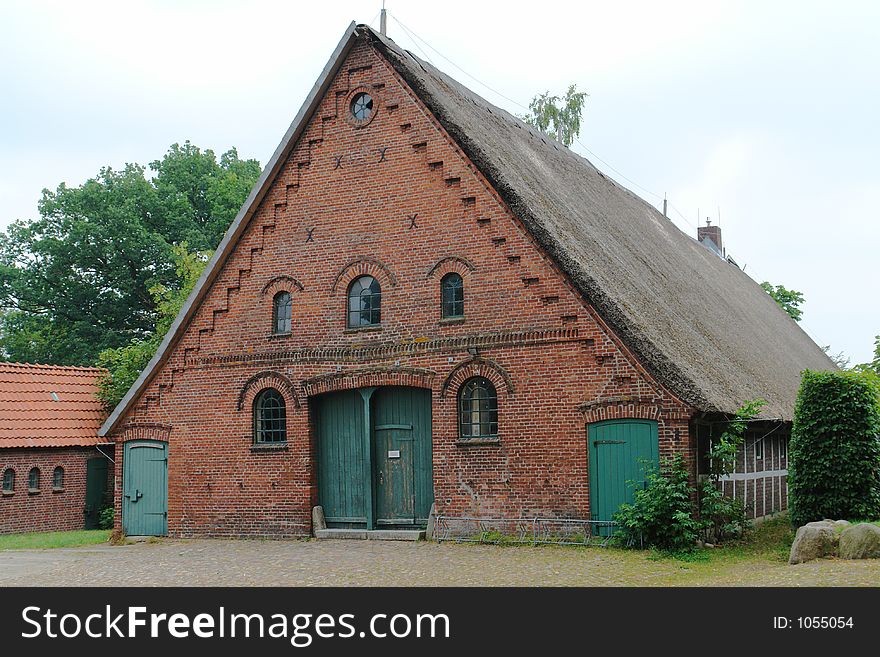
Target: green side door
{"points": [[96, 491], [402, 455], [341, 458], [621, 453], [145, 488]]}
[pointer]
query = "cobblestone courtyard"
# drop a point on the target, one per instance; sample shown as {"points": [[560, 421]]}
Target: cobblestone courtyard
{"points": [[368, 563]]}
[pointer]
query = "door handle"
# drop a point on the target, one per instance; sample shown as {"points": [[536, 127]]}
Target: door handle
{"points": [[134, 498]]}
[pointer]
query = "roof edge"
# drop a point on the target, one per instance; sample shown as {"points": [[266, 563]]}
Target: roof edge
{"points": [[230, 239]]}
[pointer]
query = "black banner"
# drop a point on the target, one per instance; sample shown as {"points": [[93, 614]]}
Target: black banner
{"points": [[434, 620]]}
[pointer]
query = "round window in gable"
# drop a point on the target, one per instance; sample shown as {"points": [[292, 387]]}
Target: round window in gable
{"points": [[362, 107]]}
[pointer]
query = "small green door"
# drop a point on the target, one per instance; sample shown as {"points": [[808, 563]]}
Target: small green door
{"points": [[96, 491], [622, 452], [402, 455], [145, 488]]}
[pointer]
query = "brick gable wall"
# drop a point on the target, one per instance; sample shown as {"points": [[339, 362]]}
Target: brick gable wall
{"points": [[398, 200]]}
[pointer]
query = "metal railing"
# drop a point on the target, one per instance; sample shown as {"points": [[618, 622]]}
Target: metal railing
{"points": [[523, 531]]}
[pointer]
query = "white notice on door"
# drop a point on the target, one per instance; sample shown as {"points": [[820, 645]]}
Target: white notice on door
{"points": [[394, 453]]}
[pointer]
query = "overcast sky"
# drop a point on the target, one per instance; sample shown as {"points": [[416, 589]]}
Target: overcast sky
{"points": [[768, 111]]}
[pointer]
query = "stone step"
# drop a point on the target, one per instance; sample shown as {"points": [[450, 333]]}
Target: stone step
{"points": [[372, 534]]}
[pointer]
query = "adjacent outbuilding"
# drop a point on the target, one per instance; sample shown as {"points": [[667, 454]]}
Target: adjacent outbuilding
{"points": [[55, 469]]}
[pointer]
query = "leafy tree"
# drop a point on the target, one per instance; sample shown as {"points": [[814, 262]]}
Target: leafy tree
{"points": [[840, 359], [124, 364], [788, 300], [557, 116], [78, 280], [724, 516], [834, 457], [874, 365]]}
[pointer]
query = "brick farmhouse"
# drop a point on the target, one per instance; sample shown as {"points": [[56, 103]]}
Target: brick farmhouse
{"points": [[425, 307], [54, 470]]}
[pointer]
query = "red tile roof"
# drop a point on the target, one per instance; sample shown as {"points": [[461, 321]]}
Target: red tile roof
{"points": [[49, 405]]}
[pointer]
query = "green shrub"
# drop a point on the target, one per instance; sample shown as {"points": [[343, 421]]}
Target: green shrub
{"points": [[662, 514], [725, 517], [834, 457], [105, 519]]}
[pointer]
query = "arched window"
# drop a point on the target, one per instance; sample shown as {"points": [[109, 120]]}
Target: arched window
{"points": [[34, 479], [281, 313], [9, 480], [364, 302], [477, 409], [58, 477], [270, 417], [452, 295]]}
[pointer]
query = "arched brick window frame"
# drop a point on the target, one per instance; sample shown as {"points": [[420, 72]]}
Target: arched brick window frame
{"points": [[267, 379], [281, 284], [483, 367], [451, 389], [270, 292], [439, 273], [363, 266], [449, 265]]}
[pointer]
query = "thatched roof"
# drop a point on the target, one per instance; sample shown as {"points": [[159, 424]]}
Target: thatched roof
{"points": [[698, 323]]}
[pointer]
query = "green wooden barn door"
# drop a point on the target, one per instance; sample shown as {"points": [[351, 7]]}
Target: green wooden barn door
{"points": [[96, 490], [621, 452], [145, 488], [342, 466], [374, 463], [402, 455]]}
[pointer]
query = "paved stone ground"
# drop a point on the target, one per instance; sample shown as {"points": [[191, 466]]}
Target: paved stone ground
{"points": [[367, 563]]}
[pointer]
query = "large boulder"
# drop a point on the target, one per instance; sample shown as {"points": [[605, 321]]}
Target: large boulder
{"points": [[860, 541], [814, 540]]}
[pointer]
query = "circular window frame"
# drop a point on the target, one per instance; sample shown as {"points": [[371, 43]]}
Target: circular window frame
{"points": [[349, 100]]}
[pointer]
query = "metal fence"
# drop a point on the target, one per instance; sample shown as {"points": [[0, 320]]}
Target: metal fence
{"points": [[523, 531]]}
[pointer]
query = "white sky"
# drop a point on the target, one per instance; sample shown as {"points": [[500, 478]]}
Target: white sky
{"points": [[766, 110]]}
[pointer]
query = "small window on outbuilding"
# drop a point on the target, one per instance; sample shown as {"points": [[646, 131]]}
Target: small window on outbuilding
{"points": [[9, 480], [270, 418], [34, 479], [478, 410], [282, 311], [364, 302], [452, 294], [58, 478], [759, 448]]}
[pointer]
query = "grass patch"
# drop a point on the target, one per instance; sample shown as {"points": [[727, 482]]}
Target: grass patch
{"points": [[770, 540], [44, 540]]}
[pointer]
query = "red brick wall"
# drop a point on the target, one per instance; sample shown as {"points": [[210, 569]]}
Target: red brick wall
{"points": [[48, 509], [398, 200]]}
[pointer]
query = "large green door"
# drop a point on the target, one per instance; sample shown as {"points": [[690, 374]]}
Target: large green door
{"points": [[402, 455], [96, 491], [145, 488], [621, 454], [374, 464]]}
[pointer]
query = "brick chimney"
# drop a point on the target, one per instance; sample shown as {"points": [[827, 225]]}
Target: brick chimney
{"points": [[711, 232]]}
